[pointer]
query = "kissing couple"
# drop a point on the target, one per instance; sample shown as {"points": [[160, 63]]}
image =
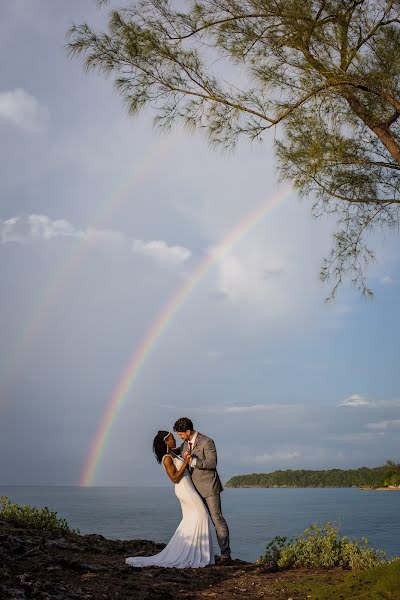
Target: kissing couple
{"points": [[193, 469]]}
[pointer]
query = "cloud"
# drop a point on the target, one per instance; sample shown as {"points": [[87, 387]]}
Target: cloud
{"points": [[161, 251], [269, 457], [12, 231], [390, 424], [41, 227], [34, 227], [386, 280], [23, 110], [358, 400], [103, 236], [246, 280], [355, 400], [355, 438], [253, 408]]}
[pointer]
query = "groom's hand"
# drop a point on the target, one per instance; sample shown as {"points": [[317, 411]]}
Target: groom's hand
{"points": [[186, 455]]}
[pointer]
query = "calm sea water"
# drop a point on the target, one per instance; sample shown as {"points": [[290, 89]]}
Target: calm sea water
{"points": [[254, 516]]}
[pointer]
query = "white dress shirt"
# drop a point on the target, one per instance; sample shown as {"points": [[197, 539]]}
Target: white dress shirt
{"points": [[192, 441]]}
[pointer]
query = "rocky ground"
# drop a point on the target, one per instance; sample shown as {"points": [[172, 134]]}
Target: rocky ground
{"points": [[50, 566]]}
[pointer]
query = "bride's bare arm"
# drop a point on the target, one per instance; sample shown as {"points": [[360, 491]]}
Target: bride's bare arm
{"points": [[174, 475]]}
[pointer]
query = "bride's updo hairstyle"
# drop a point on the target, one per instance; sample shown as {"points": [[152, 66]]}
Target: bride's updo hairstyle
{"points": [[159, 445]]}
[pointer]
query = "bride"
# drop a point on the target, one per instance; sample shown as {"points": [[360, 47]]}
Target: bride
{"points": [[191, 544]]}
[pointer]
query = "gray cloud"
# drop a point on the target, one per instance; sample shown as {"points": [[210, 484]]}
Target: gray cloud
{"points": [[23, 110], [238, 409], [160, 250], [389, 424], [41, 227], [257, 408], [355, 400], [355, 438], [386, 280]]}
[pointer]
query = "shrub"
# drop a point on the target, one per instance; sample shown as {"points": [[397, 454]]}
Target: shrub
{"points": [[33, 518], [321, 547]]}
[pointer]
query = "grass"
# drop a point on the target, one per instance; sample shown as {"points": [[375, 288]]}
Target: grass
{"points": [[378, 583]]}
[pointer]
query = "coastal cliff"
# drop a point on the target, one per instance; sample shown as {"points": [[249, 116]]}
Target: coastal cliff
{"points": [[47, 565]]}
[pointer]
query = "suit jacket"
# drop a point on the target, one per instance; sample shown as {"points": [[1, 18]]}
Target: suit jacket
{"points": [[204, 475]]}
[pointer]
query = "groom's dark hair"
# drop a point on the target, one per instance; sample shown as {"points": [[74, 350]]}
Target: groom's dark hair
{"points": [[183, 424]]}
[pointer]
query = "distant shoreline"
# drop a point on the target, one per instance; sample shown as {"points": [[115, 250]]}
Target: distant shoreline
{"points": [[385, 477], [313, 487], [390, 488]]}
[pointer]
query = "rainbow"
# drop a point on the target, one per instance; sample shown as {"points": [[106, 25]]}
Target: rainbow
{"points": [[54, 291], [159, 326]]}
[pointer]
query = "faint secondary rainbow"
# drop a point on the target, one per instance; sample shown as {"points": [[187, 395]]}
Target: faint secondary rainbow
{"points": [[159, 326], [57, 285]]}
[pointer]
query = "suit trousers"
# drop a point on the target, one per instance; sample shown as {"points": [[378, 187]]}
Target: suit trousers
{"points": [[213, 505]]}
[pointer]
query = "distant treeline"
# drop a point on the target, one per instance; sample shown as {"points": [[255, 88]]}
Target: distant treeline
{"points": [[372, 477]]}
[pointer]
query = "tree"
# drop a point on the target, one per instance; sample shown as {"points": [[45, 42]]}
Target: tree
{"points": [[393, 480], [324, 74]]}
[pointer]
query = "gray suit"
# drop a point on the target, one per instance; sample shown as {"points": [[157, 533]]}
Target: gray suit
{"points": [[208, 484]]}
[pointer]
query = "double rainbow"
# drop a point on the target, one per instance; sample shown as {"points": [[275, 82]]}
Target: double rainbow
{"points": [[51, 295], [159, 326]]}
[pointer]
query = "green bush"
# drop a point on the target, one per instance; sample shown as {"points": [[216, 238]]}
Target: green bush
{"points": [[320, 547], [33, 518]]}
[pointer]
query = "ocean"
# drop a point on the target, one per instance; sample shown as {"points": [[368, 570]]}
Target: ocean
{"points": [[254, 516]]}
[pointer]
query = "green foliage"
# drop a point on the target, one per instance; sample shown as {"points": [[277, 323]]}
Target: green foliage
{"points": [[393, 480], [321, 547], [325, 72], [33, 518], [370, 477], [378, 583]]}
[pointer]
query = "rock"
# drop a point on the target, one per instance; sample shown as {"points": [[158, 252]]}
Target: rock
{"points": [[13, 544], [63, 543], [44, 565], [94, 537], [8, 593], [83, 567]]}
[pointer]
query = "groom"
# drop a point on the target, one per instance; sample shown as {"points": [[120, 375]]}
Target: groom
{"points": [[203, 467]]}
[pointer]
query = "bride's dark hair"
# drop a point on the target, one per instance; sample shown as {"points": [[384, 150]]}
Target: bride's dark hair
{"points": [[159, 445]]}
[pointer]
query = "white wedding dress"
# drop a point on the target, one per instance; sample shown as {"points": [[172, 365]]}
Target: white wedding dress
{"points": [[191, 544]]}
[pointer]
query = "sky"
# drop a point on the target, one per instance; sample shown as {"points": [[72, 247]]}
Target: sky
{"points": [[102, 220]]}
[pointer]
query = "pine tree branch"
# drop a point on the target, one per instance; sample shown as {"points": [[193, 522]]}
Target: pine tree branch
{"points": [[212, 24]]}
